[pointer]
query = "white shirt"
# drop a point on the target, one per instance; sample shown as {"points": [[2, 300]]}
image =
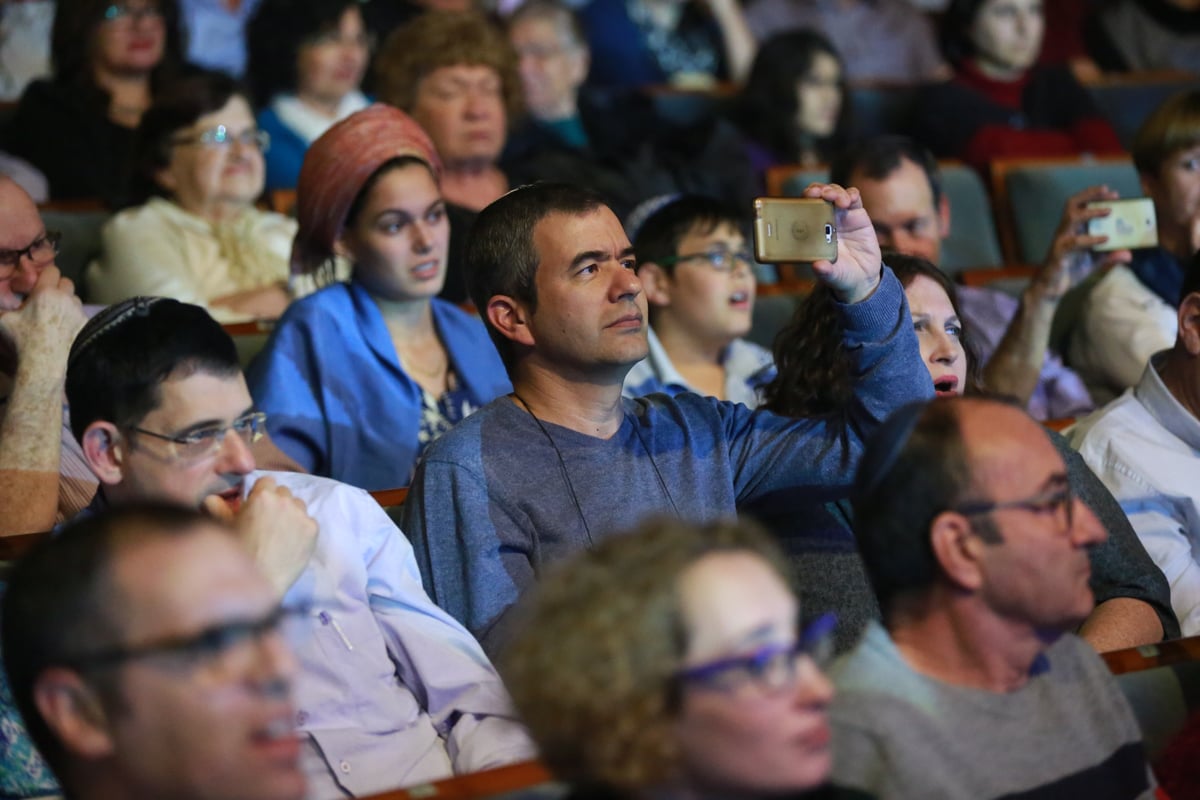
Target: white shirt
{"points": [[392, 691], [1145, 447], [1123, 324]]}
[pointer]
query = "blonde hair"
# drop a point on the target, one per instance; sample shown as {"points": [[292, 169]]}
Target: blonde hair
{"points": [[592, 670]]}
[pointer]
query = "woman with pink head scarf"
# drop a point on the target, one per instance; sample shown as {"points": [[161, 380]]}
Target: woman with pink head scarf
{"points": [[359, 377]]}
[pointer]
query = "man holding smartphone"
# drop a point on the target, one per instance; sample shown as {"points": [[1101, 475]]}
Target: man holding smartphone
{"points": [[563, 461]]}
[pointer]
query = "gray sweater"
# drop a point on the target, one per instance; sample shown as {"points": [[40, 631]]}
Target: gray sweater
{"points": [[497, 499]]}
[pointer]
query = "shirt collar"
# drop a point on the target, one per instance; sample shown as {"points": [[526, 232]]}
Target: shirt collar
{"points": [[1157, 399]]}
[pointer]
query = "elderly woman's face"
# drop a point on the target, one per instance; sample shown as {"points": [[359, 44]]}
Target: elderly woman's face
{"points": [[131, 38], [462, 109], [400, 238], [216, 161], [737, 733]]}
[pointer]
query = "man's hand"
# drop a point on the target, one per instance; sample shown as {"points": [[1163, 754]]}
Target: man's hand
{"points": [[1070, 257], [42, 329], [276, 528], [855, 274]]}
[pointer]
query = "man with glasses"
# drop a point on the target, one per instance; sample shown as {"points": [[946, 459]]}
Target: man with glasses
{"points": [[391, 691], [39, 316], [1145, 446], [143, 649], [974, 686], [699, 281]]}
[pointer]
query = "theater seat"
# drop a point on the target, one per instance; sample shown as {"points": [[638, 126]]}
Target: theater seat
{"points": [[80, 225]]}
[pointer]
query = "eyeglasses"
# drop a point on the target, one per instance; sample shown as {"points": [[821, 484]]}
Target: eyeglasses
{"points": [[41, 251], [207, 646], [123, 11], [720, 260], [221, 137], [771, 667], [207, 441], [1045, 502]]}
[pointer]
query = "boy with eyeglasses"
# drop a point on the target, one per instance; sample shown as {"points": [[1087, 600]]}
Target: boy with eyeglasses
{"points": [[698, 275], [391, 691]]}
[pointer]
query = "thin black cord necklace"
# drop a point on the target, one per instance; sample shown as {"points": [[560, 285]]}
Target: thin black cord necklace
{"points": [[566, 476]]}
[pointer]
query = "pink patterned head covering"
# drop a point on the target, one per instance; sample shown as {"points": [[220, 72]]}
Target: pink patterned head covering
{"points": [[339, 164]]}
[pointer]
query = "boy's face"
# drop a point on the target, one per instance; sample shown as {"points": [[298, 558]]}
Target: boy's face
{"points": [[710, 301]]}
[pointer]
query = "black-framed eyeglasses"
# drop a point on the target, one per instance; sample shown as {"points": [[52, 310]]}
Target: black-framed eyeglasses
{"points": [[208, 645], [221, 137], [205, 442], [719, 260], [1048, 501], [133, 13], [41, 251], [772, 666]]}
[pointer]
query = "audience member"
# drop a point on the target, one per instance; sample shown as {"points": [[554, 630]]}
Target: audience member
{"points": [[793, 108], [1124, 36], [563, 461], [456, 74], [668, 663], [1001, 104], [197, 236], [973, 687], [1132, 598], [391, 690], [1128, 314], [698, 276], [78, 128], [901, 190], [879, 40], [403, 366], [146, 658], [637, 43], [39, 317], [307, 61], [25, 175], [24, 45], [1144, 447], [610, 140], [216, 33]]}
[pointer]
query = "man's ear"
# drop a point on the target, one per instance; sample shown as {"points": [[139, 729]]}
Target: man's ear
{"points": [[656, 283], [957, 549], [104, 449], [1189, 324], [943, 216], [73, 711], [510, 318]]}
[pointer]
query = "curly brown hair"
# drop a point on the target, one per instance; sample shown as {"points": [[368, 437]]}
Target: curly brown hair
{"points": [[814, 377], [438, 39], [592, 670]]}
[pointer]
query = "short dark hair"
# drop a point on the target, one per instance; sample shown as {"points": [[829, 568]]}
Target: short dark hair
{"points": [[72, 47], [659, 236], [275, 35], [562, 15], [880, 156], [768, 105], [123, 354], [956, 24], [501, 258], [181, 102], [915, 466], [61, 604], [1173, 126]]}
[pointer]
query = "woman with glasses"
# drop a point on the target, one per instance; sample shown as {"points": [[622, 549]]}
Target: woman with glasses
{"points": [[669, 662], [698, 275], [361, 376], [196, 235], [110, 56], [307, 61], [814, 381]]}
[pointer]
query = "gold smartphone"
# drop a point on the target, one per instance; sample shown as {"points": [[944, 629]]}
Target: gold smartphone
{"points": [[1131, 224], [790, 229]]}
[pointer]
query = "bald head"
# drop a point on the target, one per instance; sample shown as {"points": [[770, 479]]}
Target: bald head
{"points": [[20, 226]]}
